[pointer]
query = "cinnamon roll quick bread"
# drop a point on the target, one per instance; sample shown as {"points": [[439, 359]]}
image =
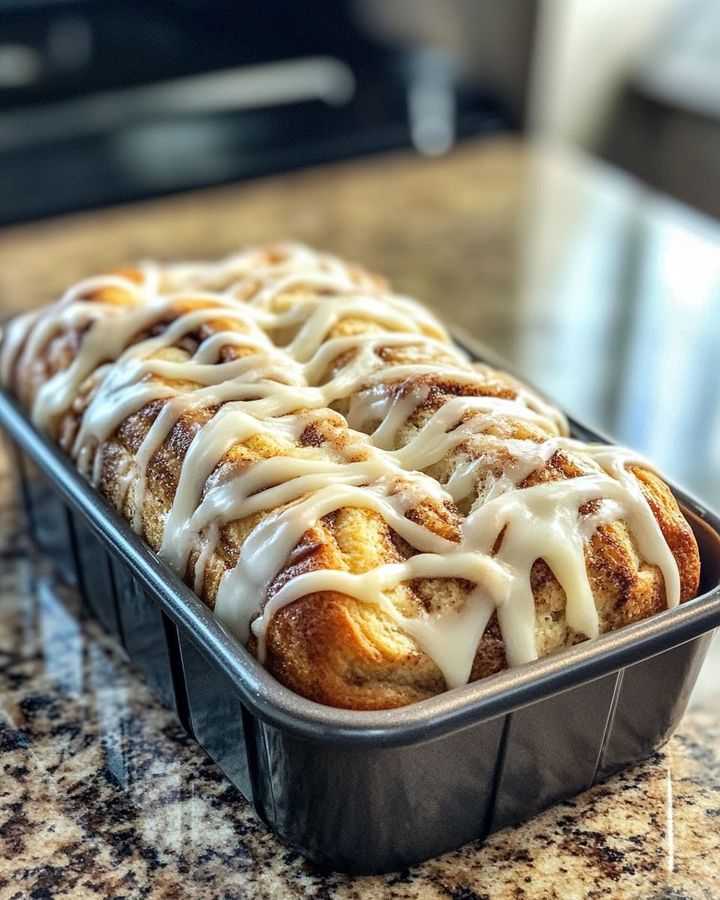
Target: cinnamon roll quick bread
{"points": [[374, 516]]}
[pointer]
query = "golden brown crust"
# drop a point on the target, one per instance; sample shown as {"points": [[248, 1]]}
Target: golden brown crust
{"points": [[330, 647]]}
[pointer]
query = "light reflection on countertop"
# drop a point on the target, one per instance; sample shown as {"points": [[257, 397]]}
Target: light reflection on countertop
{"points": [[617, 313], [606, 297]]}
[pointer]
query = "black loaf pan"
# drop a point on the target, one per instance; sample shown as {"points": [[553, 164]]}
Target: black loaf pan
{"points": [[373, 791]]}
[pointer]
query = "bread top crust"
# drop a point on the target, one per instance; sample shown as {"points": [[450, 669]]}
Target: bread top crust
{"points": [[375, 516]]}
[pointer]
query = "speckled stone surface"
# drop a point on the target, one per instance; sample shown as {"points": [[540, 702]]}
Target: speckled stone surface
{"points": [[101, 793], [392, 213]]}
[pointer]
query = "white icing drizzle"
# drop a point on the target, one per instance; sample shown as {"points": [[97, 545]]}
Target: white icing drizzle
{"points": [[13, 336], [451, 426], [450, 640], [230, 426], [399, 411], [272, 392]]}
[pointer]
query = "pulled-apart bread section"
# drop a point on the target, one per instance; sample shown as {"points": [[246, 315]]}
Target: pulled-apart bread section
{"points": [[377, 518]]}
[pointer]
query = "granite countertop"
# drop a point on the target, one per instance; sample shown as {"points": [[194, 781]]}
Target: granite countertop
{"points": [[387, 213], [102, 794]]}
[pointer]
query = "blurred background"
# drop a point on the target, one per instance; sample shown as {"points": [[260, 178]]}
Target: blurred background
{"points": [[546, 174], [103, 101]]}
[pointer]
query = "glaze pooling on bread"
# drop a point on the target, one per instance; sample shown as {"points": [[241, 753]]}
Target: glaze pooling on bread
{"points": [[240, 414]]}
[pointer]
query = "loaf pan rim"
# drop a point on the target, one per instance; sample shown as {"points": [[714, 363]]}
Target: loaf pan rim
{"points": [[428, 719]]}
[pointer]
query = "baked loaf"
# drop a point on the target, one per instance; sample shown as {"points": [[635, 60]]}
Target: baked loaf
{"points": [[374, 516]]}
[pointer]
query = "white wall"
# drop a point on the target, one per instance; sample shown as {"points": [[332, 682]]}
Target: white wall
{"points": [[584, 51]]}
